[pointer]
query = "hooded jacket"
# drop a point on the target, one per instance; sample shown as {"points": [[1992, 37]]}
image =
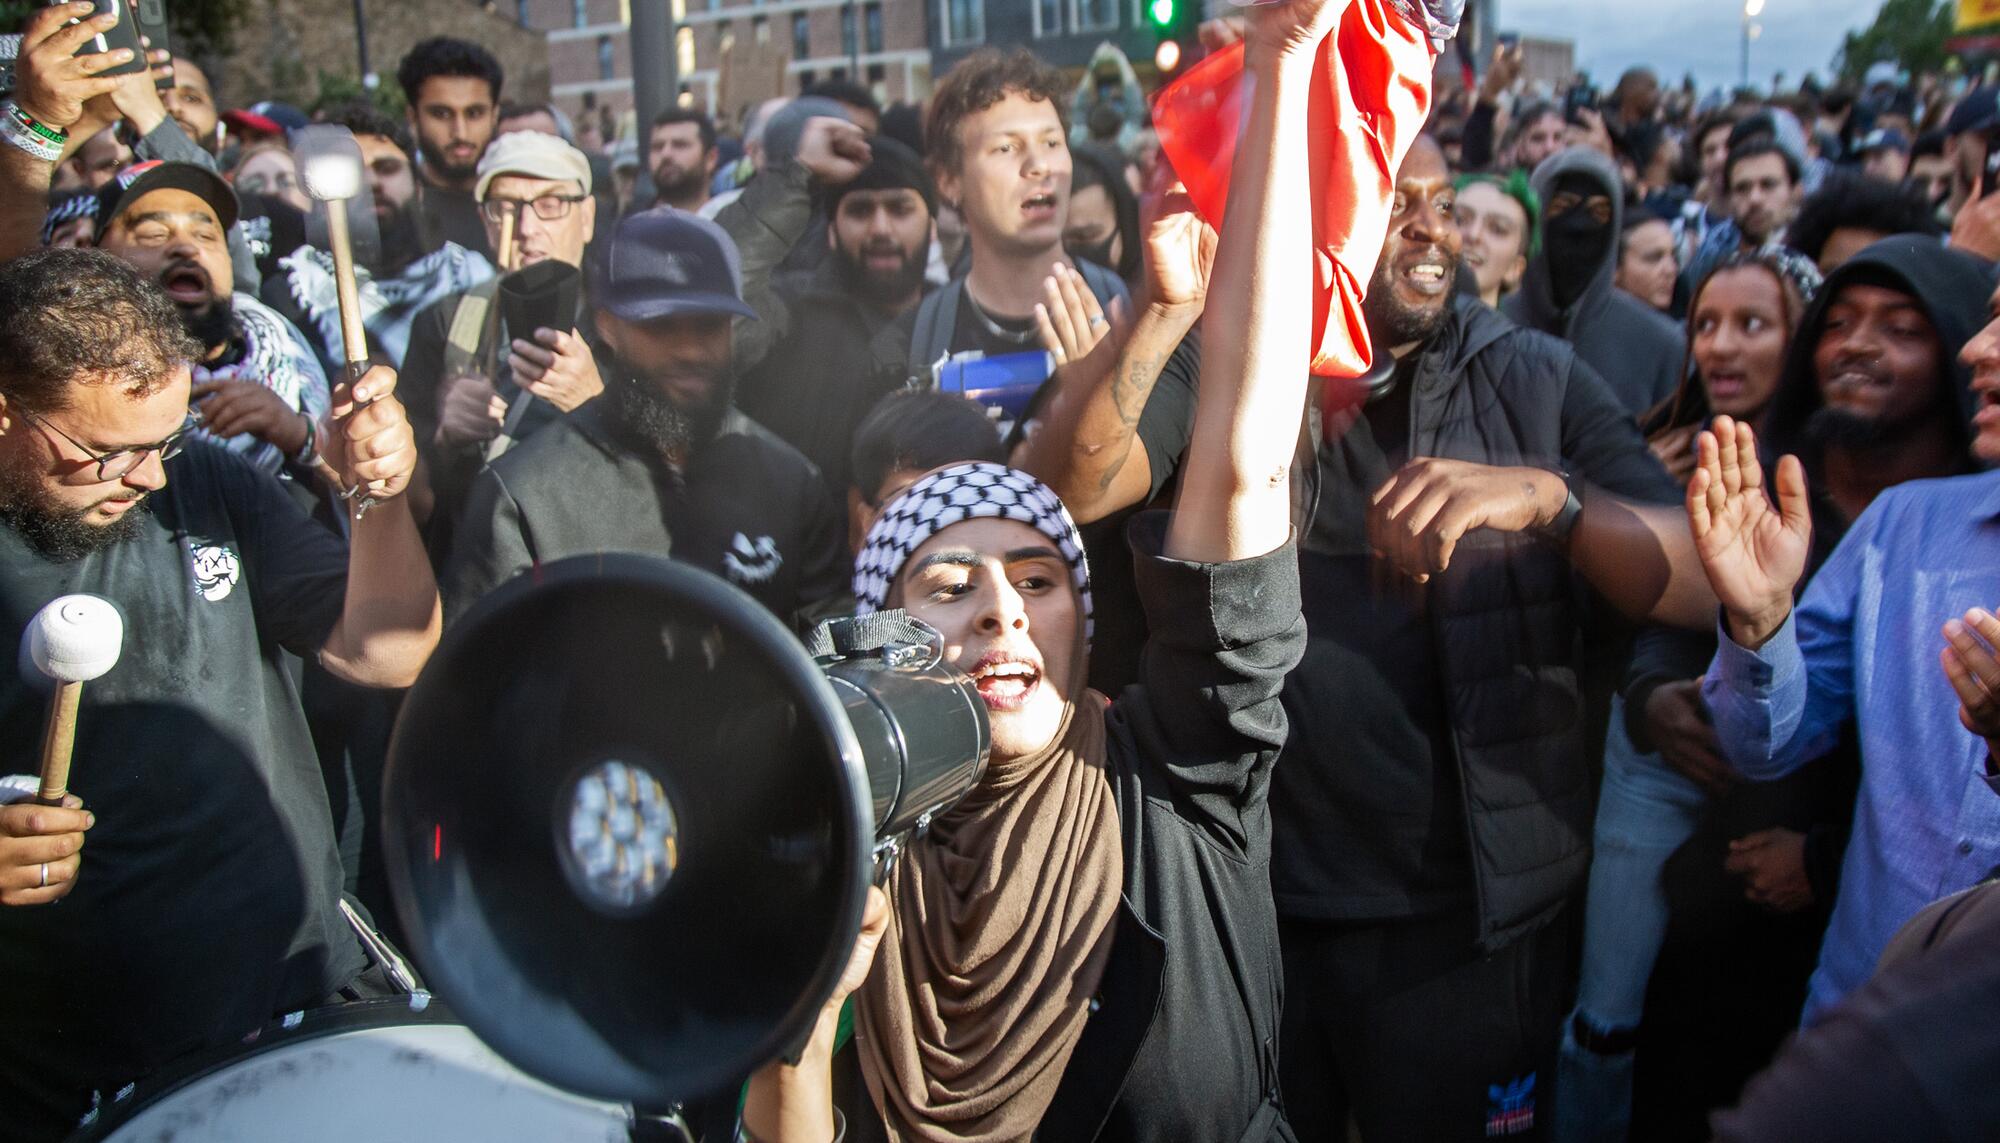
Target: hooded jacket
{"points": [[1952, 287], [1637, 350]]}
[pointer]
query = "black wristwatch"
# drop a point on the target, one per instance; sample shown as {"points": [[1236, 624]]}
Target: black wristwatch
{"points": [[1558, 530]]}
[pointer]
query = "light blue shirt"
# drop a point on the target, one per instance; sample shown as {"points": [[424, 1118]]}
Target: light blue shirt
{"points": [[1863, 643]]}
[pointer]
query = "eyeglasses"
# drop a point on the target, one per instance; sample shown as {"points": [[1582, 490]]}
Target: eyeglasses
{"points": [[120, 462], [548, 207]]}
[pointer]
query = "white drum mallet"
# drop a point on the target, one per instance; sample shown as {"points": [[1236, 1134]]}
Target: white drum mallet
{"points": [[330, 168], [75, 639]]}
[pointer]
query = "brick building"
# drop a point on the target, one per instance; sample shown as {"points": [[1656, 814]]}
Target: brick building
{"points": [[722, 42], [286, 49]]}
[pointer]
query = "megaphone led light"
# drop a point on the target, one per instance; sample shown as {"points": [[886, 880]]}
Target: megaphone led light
{"points": [[621, 841]]}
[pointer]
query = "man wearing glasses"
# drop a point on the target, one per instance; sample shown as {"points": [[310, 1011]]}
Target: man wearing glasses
{"points": [[465, 370], [206, 901]]}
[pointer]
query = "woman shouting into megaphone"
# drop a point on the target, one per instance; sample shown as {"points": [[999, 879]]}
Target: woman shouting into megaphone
{"points": [[1086, 946]]}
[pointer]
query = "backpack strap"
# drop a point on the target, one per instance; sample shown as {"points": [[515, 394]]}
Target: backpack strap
{"points": [[930, 338]]}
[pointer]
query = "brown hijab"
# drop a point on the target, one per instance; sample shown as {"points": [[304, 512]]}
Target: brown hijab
{"points": [[1000, 925]]}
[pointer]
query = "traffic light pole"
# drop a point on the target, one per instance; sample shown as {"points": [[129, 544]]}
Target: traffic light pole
{"points": [[655, 79]]}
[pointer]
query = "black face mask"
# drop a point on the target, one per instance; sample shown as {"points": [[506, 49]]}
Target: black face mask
{"points": [[1574, 242]]}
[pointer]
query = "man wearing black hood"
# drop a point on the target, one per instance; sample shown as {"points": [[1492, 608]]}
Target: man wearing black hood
{"points": [[828, 344], [1568, 290], [1873, 393]]}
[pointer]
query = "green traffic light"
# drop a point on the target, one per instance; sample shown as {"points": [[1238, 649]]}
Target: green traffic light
{"points": [[1161, 11]]}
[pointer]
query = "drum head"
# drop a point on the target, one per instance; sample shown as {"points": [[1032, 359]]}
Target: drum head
{"points": [[628, 829], [367, 1071]]}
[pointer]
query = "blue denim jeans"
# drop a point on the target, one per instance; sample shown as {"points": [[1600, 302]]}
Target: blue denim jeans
{"points": [[1645, 810]]}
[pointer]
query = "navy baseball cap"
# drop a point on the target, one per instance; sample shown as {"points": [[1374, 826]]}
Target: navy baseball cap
{"points": [[1979, 110], [665, 262]]}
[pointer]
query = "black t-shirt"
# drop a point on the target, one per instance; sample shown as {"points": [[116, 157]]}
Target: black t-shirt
{"points": [[207, 901], [452, 216], [991, 334]]}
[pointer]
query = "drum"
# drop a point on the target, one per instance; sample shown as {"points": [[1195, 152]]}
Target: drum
{"points": [[370, 1071]]}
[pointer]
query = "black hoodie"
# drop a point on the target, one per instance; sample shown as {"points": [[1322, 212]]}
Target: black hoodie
{"points": [[1637, 350], [1951, 286]]}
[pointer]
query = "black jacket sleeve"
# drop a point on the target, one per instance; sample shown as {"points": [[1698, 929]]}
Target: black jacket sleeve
{"points": [[1205, 717], [766, 221], [1601, 441], [1475, 145], [1660, 655]]}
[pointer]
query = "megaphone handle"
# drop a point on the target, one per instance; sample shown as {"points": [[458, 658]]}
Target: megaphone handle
{"points": [[58, 741]]}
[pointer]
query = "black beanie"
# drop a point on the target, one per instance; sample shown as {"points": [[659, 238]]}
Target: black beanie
{"points": [[891, 167]]}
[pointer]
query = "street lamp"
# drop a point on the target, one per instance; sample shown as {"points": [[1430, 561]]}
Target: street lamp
{"points": [[1751, 9]]}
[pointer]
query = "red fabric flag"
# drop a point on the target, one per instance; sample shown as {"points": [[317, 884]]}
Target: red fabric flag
{"points": [[1371, 90]]}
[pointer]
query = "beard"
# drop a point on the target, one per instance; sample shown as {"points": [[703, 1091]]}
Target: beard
{"points": [[1844, 429], [212, 324], [1391, 323], [648, 417], [56, 530], [446, 170], [676, 185], [878, 288]]}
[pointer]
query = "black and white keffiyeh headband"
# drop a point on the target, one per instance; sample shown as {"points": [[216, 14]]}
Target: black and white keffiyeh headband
{"points": [[953, 494]]}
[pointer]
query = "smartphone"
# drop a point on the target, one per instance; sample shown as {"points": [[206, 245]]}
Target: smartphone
{"points": [[123, 34], [1509, 40], [1581, 96], [153, 26]]}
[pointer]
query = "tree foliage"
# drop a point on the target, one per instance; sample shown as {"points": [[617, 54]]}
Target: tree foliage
{"points": [[1907, 33]]}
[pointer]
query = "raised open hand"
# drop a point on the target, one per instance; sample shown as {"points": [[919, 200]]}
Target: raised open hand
{"points": [[1754, 552], [1180, 252]]}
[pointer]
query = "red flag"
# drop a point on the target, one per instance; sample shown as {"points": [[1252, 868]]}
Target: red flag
{"points": [[1371, 91]]}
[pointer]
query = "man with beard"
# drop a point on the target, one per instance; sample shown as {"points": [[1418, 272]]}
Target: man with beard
{"points": [[680, 151], [397, 282], [453, 91], [1761, 177], [208, 900], [661, 463], [828, 345], [1433, 807], [257, 386]]}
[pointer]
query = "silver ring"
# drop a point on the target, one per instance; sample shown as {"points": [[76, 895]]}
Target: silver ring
{"points": [[1100, 319], [45, 876]]}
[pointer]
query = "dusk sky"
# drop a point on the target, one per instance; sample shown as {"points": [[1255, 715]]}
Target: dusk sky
{"points": [[1698, 36]]}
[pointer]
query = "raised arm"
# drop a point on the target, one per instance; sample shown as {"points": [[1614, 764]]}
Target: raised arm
{"points": [[61, 92], [1235, 499], [1087, 447]]}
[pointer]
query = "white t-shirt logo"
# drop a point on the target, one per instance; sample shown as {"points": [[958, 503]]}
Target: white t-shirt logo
{"points": [[752, 561], [216, 569]]}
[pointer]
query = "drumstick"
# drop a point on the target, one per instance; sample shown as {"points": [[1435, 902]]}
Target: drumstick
{"points": [[505, 255], [74, 639], [333, 178]]}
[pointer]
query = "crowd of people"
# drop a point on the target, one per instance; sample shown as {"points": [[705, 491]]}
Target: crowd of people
{"points": [[1480, 595]]}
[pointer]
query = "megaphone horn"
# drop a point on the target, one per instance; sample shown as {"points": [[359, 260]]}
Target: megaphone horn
{"points": [[630, 819]]}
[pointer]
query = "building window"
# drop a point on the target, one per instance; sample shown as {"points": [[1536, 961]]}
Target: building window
{"points": [[760, 29], [521, 12], [607, 60], [801, 36], [1094, 15], [807, 78], [1048, 18], [878, 78], [964, 21], [871, 27], [847, 45], [579, 13]]}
